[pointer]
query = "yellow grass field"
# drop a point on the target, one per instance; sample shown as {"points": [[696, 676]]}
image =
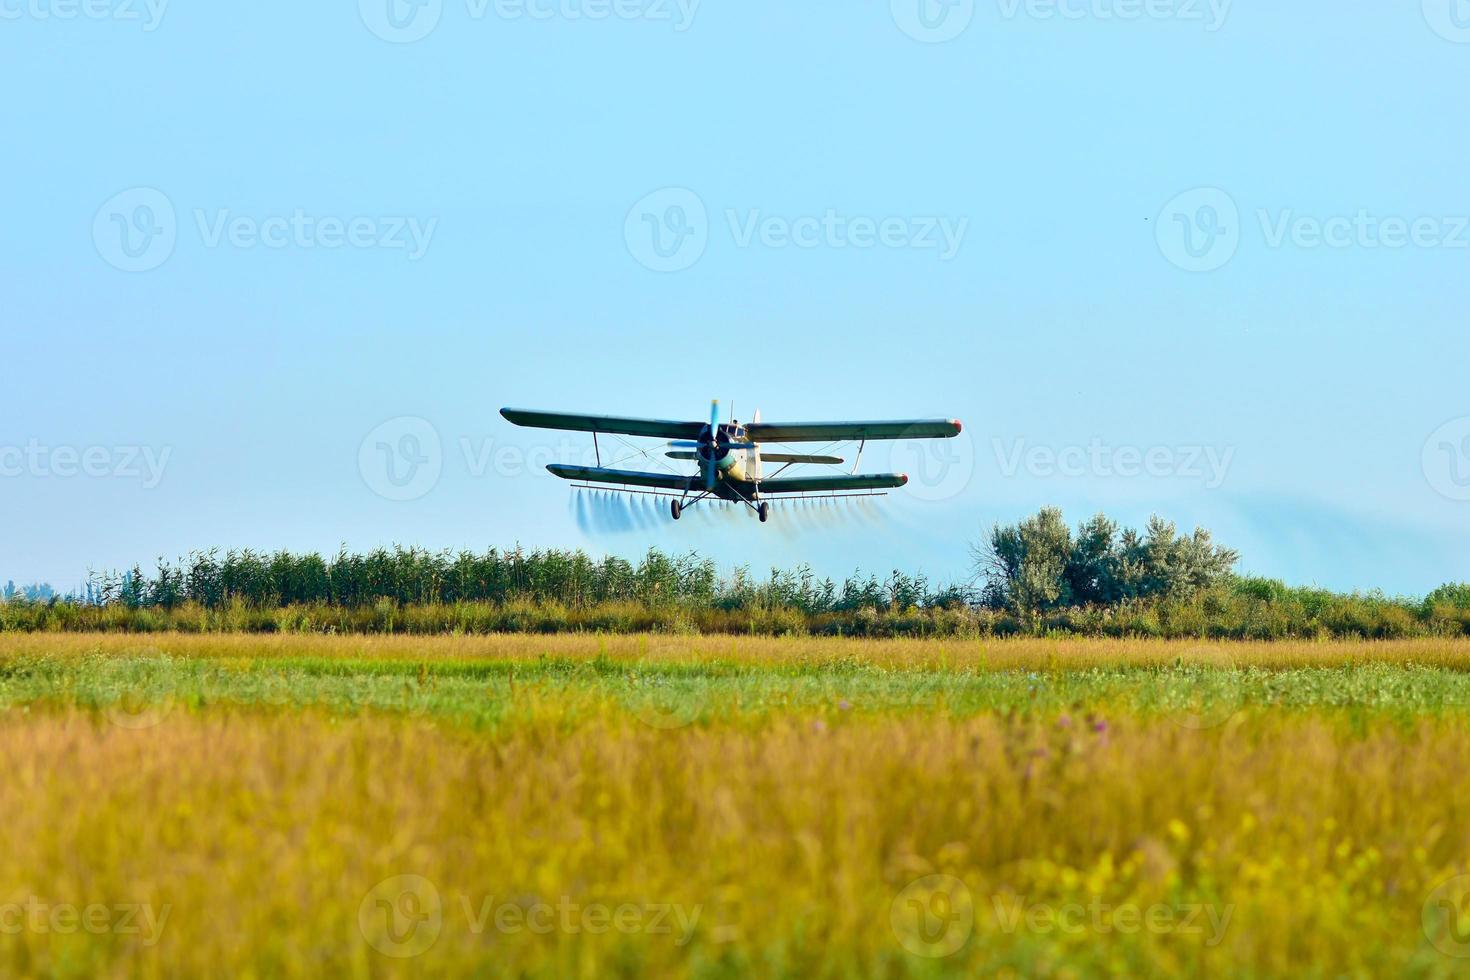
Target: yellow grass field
{"points": [[657, 806]]}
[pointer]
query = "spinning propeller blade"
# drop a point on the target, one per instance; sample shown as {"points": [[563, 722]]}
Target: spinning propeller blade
{"points": [[714, 426]]}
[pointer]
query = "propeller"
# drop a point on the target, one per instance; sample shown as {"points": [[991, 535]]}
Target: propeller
{"points": [[710, 469]]}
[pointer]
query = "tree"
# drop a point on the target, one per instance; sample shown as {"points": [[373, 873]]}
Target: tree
{"points": [[1038, 565], [1026, 564]]}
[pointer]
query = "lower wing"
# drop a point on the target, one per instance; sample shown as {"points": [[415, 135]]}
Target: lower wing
{"points": [[632, 478], [819, 484]]}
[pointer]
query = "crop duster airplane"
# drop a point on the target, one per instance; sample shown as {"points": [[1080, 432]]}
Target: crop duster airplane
{"points": [[731, 456]]}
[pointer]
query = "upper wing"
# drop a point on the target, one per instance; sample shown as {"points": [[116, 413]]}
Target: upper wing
{"points": [[842, 431], [633, 478], [656, 428], [817, 484]]}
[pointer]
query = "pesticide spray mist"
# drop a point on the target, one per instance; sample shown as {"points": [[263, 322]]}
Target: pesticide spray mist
{"points": [[610, 512]]}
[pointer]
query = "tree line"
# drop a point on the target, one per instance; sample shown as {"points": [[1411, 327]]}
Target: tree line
{"points": [[415, 576], [1038, 575]]}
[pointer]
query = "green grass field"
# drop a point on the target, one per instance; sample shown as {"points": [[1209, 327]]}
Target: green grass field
{"points": [[688, 806]]}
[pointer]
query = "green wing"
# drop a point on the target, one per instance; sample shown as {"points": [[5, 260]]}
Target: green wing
{"points": [[821, 484], [654, 428], [843, 431], [632, 478], [774, 458]]}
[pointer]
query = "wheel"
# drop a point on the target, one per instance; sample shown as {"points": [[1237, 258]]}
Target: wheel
{"points": [[676, 508], [764, 510]]}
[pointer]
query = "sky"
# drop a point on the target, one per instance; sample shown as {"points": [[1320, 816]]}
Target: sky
{"points": [[270, 270]]}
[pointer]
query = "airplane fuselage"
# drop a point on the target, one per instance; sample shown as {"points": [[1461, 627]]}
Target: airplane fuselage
{"points": [[735, 469]]}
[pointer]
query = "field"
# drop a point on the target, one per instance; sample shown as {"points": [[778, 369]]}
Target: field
{"points": [[576, 805]]}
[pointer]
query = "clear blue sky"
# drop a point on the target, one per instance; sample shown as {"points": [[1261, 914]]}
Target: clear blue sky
{"points": [[1174, 229]]}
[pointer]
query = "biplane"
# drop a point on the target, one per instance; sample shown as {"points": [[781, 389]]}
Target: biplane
{"points": [[731, 456]]}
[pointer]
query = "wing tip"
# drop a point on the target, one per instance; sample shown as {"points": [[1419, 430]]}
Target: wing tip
{"points": [[958, 426]]}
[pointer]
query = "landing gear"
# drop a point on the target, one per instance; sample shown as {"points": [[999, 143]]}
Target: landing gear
{"points": [[764, 510], [676, 508]]}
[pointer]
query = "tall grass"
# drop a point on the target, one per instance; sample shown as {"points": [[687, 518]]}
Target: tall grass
{"points": [[273, 843]]}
